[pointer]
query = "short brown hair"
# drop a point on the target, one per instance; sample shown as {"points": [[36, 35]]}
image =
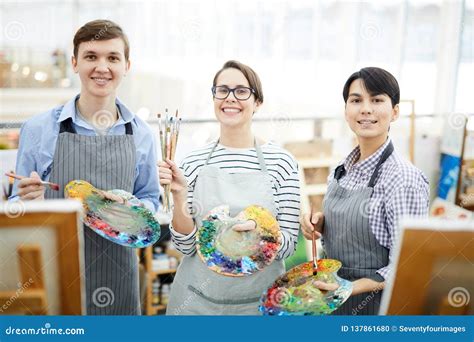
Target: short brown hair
{"points": [[100, 29], [250, 75]]}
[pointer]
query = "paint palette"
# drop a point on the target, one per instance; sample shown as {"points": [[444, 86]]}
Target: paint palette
{"points": [[129, 224], [294, 293], [238, 253]]}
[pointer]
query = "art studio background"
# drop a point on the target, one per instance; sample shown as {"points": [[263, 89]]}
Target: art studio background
{"points": [[303, 51]]}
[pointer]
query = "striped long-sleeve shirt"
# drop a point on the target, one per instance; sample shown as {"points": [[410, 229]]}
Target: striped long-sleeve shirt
{"points": [[283, 170]]}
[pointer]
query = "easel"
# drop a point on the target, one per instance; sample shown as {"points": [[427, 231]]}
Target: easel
{"points": [[63, 217], [427, 247], [30, 298]]}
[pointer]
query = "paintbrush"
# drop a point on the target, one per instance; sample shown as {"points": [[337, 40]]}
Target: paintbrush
{"points": [[52, 186], [162, 141], [163, 152], [314, 249], [174, 136], [11, 180]]}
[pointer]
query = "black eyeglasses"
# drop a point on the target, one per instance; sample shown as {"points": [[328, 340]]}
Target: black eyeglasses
{"points": [[240, 93]]}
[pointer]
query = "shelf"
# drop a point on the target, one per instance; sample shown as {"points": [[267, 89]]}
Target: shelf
{"points": [[467, 201], [169, 271], [19, 104], [315, 189], [156, 308]]}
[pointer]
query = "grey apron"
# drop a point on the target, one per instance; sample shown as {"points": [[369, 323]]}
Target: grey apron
{"points": [[107, 162], [348, 237], [197, 290]]}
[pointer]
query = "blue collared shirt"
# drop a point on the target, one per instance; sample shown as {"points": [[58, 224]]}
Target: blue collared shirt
{"points": [[39, 134]]}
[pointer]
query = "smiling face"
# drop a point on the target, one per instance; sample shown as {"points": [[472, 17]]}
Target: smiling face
{"points": [[369, 116], [101, 65], [232, 112]]}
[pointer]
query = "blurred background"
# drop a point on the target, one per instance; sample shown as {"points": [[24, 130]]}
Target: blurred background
{"points": [[303, 51]]}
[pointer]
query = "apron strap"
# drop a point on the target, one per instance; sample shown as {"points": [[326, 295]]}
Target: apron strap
{"points": [[67, 126], [341, 171], [387, 153], [260, 157], [261, 160], [210, 153], [128, 128]]}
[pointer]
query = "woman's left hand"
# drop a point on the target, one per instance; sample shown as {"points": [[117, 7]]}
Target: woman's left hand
{"points": [[358, 286], [245, 227], [326, 286]]}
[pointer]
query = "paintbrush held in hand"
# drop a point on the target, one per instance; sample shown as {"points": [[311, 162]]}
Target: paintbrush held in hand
{"points": [[53, 186], [314, 251], [169, 133]]}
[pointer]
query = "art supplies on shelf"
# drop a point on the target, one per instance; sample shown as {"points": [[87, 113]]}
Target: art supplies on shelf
{"points": [[447, 210]]}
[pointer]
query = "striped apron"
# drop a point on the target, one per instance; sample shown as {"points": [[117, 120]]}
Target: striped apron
{"points": [[196, 289], [107, 162], [349, 238]]}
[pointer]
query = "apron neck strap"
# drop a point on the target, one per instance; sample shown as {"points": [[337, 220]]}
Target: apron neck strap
{"points": [[341, 171], [387, 153], [261, 160], [67, 126]]}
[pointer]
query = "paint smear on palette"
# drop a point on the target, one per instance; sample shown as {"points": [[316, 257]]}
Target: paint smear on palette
{"points": [[294, 292], [130, 224], [233, 253]]}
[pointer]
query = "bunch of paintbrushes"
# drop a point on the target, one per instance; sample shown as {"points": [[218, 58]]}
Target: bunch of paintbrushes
{"points": [[169, 133]]}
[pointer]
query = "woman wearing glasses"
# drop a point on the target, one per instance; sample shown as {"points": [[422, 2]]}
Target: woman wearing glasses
{"points": [[238, 170]]}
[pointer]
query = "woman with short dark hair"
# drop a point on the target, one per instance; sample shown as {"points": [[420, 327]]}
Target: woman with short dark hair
{"points": [[368, 193]]}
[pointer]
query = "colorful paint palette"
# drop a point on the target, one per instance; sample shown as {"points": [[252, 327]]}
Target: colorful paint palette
{"points": [[129, 224], [294, 293], [238, 253]]}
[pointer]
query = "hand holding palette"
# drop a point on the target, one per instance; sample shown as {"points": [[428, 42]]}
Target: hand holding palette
{"points": [[234, 252], [295, 292], [115, 215]]}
